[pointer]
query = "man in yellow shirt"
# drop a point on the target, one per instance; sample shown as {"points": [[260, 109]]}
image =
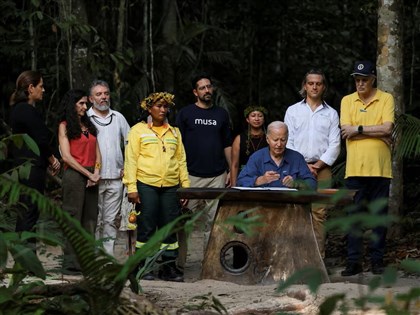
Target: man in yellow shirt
{"points": [[367, 120]]}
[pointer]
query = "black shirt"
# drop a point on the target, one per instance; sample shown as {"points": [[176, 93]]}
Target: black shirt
{"points": [[24, 118], [205, 134]]}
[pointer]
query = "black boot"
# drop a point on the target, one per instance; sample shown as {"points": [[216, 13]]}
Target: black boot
{"points": [[352, 269], [169, 272], [378, 267]]}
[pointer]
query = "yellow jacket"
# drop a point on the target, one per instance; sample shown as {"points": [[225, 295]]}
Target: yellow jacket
{"points": [[153, 159]]}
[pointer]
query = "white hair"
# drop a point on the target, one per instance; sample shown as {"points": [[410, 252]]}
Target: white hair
{"points": [[276, 125]]}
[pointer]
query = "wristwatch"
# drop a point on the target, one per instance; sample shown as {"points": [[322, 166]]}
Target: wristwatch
{"points": [[360, 129]]}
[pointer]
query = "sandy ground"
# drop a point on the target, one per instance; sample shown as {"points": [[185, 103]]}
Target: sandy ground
{"points": [[263, 299], [195, 296]]}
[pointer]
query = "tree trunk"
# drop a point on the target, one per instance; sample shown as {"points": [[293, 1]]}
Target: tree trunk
{"points": [[119, 47], [145, 66], [169, 34], [65, 11], [413, 53], [152, 57], [204, 12], [390, 77], [81, 74], [32, 44], [77, 68]]}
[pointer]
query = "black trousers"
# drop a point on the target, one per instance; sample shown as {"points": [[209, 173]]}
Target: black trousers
{"points": [[369, 190], [159, 206], [28, 212]]}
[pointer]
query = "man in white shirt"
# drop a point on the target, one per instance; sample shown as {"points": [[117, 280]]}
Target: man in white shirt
{"points": [[112, 135], [314, 132]]}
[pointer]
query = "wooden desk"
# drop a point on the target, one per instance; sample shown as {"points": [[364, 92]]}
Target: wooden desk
{"points": [[284, 244]]}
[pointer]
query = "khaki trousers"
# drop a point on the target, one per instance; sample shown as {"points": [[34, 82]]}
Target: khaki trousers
{"points": [[81, 203], [208, 205], [319, 211]]}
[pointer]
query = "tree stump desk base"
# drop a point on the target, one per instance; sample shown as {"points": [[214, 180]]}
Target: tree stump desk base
{"points": [[282, 245]]}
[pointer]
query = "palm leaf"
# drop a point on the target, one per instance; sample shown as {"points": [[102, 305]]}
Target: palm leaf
{"points": [[407, 133], [222, 99], [105, 278]]}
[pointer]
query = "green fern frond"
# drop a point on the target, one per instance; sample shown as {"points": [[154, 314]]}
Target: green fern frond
{"points": [[104, 277], [407, 134], [99, 269]]}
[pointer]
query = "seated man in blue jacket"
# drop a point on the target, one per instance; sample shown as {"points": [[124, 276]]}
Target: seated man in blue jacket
{"points": [[275, 165]]}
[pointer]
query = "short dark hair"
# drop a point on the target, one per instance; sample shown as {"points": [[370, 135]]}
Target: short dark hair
{"points": [[199, 76], [302, 91]]}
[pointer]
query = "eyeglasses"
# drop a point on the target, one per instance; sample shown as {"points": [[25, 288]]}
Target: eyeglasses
{"points": [[208, 87]]}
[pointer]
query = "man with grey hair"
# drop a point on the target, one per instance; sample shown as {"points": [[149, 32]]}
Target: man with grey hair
{"points": [[276, 165], [367, 122], [315, 133], [112, 135]]}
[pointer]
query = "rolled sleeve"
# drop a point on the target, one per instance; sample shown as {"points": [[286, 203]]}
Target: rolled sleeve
{"points": [[247, 177], [132, 150], [334, 142]]}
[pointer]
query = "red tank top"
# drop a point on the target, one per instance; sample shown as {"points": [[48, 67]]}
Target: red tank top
{"points": [[83, 149]]}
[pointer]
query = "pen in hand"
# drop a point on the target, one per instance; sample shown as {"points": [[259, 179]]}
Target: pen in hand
{"points": [[271, 176], [287, 180]]}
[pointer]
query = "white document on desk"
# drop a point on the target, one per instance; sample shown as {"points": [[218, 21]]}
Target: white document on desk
{"points": [[265, 188]]}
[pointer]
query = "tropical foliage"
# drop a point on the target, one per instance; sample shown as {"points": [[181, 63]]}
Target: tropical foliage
{"points": [[257, 51], [103, 277]]}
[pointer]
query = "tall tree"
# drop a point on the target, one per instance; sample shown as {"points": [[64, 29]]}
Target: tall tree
{"points": [[119, 45], [169, 36], [74, 23], [390, 79]]}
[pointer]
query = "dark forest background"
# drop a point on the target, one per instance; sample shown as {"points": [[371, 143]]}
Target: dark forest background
{"points": [[256, 50]]}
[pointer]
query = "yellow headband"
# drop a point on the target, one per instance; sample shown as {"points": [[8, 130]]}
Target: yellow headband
{"points": [[154, 97]]}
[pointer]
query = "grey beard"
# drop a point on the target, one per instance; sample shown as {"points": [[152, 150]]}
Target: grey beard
{"points": [[102, 108]]}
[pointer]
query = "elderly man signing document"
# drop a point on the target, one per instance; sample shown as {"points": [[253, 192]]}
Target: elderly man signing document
{"points": [[275, 165]]}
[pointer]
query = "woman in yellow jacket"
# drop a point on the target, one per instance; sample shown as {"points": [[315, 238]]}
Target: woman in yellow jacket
{"points": [[155, 166]]}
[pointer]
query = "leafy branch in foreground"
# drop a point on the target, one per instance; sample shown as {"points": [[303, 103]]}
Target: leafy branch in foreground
{"points": [[205, 302], [401, 304], [243, 221], [398, 304], [407, 131], [104, 277]]}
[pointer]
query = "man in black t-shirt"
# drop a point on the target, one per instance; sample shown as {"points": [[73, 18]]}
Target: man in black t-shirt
{"points": [[207, 139]]}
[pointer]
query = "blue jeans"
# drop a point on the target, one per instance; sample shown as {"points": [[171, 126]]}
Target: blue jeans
{"points": [[369, 189]]}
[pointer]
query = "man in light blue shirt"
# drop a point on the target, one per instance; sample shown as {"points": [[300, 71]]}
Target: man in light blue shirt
{"points": [[275, 165]]}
